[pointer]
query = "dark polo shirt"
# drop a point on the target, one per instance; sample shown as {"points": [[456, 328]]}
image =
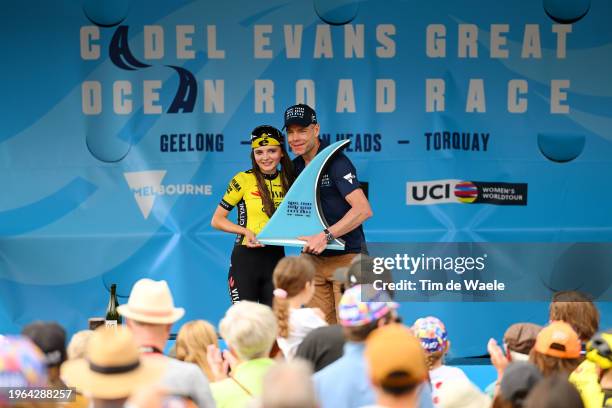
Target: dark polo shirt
{"points": [[338, 179]]}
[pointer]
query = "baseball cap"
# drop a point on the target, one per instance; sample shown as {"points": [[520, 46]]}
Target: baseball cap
{"points": [[362, 304], [519, 378], [558, 339], [300, 114], [352, 274], [50, 338], [520, 337], [395, 357], [360, 271], [431, 332]]}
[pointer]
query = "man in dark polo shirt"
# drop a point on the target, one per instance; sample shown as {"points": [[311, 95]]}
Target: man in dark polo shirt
{"points": [[344, 205]]}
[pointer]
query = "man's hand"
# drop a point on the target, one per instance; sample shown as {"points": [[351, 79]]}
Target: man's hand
{"points": [[315, 244]]}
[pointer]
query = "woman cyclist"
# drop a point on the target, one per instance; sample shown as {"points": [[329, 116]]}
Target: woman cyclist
{"points": [[257, 193]]}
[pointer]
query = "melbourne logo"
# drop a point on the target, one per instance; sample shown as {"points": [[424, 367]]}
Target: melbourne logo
{"points": [[147, 186], [465, 192]]}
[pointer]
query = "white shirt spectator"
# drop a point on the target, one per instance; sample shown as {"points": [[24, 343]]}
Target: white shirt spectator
{"points": [[301, 322], [443, 374]]}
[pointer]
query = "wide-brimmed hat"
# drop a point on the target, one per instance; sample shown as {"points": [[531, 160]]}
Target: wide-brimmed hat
{"points": [[151, 302], [113, 367]]}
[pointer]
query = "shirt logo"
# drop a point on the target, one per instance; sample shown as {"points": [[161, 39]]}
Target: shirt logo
{"points": [[349, 177], [325, 182]]}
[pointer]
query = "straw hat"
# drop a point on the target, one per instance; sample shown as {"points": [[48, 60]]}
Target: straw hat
{"points": [[151, 302], [113, 367]]}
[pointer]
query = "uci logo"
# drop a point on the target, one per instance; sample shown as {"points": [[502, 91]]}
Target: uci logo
{"points": [[465, 192], [433, 192], [440, 192]]}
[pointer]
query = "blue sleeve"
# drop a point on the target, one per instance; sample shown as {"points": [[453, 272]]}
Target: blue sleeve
{"points": [[425, 397], [343, 174]]}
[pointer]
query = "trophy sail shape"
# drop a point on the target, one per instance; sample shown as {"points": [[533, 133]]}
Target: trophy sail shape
{"points": [[300, 211]]}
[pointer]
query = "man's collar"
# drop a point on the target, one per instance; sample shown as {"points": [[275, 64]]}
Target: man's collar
{"points": [[322, 145]]}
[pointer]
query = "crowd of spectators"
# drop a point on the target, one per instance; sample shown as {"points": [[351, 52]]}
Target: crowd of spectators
{"points": [[288, 357]]}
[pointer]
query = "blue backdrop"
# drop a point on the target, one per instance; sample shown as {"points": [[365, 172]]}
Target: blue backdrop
{"points": [[121, 127]]}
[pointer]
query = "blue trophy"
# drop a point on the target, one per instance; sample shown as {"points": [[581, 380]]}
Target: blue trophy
{"points": [[300, 212]]}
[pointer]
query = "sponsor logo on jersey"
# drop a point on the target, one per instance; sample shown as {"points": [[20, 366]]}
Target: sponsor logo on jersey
{"points": [[349, 177], [325, 181]]}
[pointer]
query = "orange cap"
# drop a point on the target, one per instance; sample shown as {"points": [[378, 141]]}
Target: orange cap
{"points": [[395, 357], [558, 339]]}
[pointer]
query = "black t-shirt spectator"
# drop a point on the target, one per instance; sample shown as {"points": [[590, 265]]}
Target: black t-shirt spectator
{"points": [[322, 346]]}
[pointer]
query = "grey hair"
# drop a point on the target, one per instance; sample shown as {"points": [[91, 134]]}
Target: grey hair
{"points": [[289, 385], [249, 329]]}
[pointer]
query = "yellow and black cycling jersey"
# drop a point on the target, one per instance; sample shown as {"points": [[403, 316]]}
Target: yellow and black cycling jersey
{"points": [[242, 192]]}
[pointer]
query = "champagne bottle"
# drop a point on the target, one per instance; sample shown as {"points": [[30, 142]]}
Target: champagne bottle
{"points": [[113, 318]]}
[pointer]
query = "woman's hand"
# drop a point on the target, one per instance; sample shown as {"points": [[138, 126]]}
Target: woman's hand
{"points": [[498, 359], [231, 360], [251, 240], [218, 366]]}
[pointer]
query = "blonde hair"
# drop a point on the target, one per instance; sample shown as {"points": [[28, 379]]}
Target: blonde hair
{"points": [[291, 274], [432, 358], [192, 341], [249, 329], [78, 344]]}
